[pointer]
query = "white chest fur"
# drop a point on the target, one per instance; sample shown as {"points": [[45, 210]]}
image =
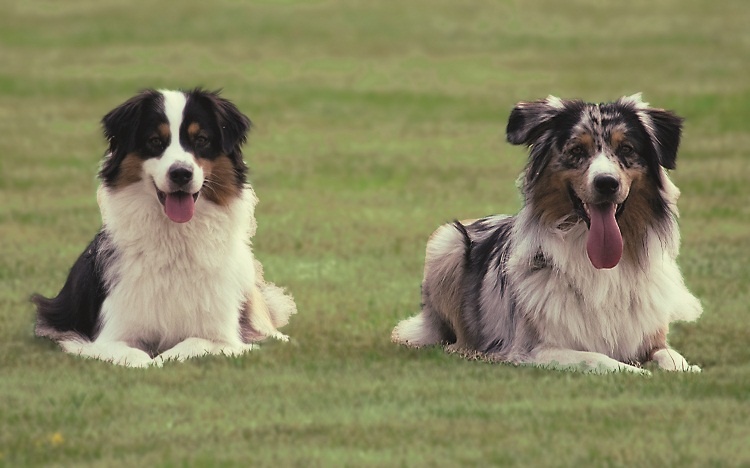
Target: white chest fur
{"points": [[168, 281], [575, 306]]}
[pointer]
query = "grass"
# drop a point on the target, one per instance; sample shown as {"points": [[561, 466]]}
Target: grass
{"points": [[374, 123]]}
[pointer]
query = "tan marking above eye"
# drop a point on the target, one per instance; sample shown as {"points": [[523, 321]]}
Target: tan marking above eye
{"points": [[193, 129], [163, 131], [616, 137], [583, 141], [579, 145]]}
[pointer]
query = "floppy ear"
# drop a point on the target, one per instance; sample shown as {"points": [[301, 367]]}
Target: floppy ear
{"points": [[664, 128], [529, 120], [233, 125], [120, 128], [532, 124], [121, 124]]}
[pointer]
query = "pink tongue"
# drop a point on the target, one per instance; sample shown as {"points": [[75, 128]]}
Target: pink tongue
{"points": [[179, 206], [604, 244]]}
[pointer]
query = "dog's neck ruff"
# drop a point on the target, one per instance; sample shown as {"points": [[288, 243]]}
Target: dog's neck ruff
{"points": [[133, 215]]}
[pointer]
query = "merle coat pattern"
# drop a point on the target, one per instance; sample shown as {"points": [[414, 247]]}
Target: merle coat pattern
{"points": [[585, 275]]}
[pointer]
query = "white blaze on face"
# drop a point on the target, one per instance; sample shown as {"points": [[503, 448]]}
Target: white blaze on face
{"points": [[158, 168], [604, 244], [178, 199], [602, 165]]}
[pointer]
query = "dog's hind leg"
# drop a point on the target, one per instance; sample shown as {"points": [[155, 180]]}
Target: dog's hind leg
{"points": [[279, 303], [260, 320], [424, 329], [441, 291], [417, 331]]}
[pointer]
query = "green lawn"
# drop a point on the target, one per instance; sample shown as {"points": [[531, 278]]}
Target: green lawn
{"points": [[374, 123]]}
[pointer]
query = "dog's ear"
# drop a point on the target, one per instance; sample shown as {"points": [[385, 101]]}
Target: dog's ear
{"points": [[533, 124], [233, 124], [530, 120], [664, 128], [120, 127], [121, 124]]}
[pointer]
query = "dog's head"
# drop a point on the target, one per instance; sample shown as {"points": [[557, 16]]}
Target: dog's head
{"points": [[180, 144], [597, 163]]}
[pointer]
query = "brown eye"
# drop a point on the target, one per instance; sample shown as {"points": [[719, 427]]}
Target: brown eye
{"points": [[201, 140], [625, 150], [155, 142]]}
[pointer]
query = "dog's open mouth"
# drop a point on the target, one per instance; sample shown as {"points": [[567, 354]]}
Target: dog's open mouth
{"points": [[604, 244], [179, 206]]}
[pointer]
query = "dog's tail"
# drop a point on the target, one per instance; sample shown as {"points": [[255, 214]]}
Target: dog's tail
{"points": [[73, 314], [54, 320], [466, 239]]}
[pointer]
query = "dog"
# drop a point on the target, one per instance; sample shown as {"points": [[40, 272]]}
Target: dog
{"points": [[584, 277], [171, 274]]}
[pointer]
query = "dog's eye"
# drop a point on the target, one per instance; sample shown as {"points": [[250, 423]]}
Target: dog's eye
{"points": [[625, 150], [577, 151], [202, 140], [155, 142]]}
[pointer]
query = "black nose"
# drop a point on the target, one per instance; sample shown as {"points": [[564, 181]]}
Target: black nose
{"points": [[606, 184], [180, 175]]}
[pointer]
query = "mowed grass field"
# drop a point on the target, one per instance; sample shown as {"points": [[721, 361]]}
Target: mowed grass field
{"points": [[375, 122]]}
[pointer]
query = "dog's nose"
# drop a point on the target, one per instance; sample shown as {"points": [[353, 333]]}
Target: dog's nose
{"points": [[180, 175], [606, 184]]}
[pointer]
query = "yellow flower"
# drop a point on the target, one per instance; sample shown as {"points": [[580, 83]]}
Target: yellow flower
{"points": [[56, 439]]}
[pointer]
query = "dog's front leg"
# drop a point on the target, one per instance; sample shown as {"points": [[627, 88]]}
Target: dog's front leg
{"points": [[259, 317], [568, 359], [197, 347], [115, 352]]}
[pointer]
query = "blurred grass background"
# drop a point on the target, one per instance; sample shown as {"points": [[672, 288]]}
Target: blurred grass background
{"points": [[374, 123]]}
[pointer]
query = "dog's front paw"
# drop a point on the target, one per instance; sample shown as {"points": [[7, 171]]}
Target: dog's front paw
{"points": [[280, 336], [606, 366], [583, 361], [258, 337], [133, 358], [115, 352], [197, 347], [235, 351], [189, 348], [632, 369], [139, 362], [670, 360]]}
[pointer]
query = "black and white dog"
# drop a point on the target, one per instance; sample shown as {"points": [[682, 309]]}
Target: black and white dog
{"points": [[585, 276], [171, 273]]}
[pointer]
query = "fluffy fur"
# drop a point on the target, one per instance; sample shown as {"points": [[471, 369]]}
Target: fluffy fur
{"points": [[171, 273], [585, 276]]}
